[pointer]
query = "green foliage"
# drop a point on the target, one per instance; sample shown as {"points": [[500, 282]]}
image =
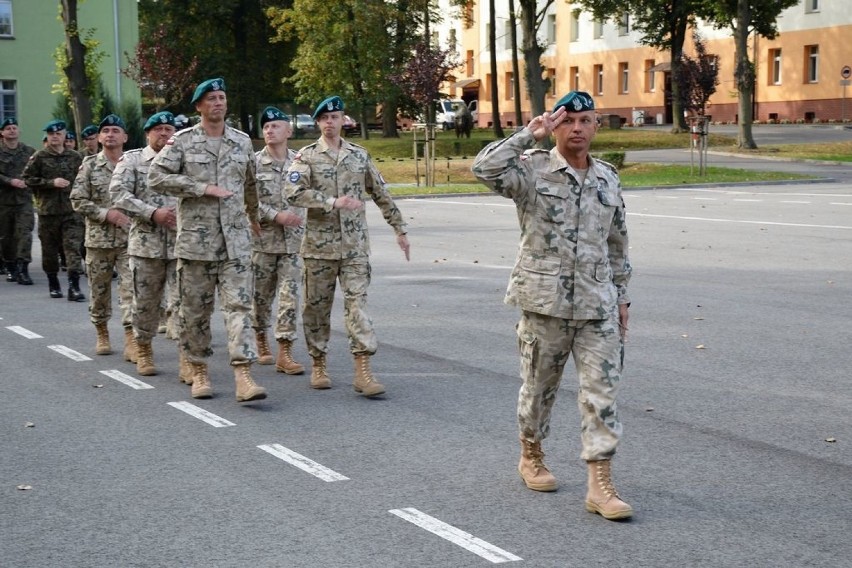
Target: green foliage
{"points": [[614, 158], [94, 56]]}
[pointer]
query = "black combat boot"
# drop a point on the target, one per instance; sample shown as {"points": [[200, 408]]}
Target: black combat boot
{"points": [[24, 273], [74, 293], [53, 283], [11, 272]]}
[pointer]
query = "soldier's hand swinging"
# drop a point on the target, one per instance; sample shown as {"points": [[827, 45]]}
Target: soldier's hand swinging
{"points": [[403, 243]]}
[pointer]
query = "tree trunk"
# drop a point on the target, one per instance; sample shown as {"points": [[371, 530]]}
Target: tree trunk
{"points": [[492, 47], [75, 68], [516, 72], [536, 87], [744, 76], [678, 35]]}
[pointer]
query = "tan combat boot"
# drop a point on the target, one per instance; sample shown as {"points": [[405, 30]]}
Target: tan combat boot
{"points": [[365, 383], [184, 368], [319, 376], [145, 359], [285, 362], [247, 389], [264, 355], [602, 498], [129, 345], [200, 381], [535, 474], [102, 346]]}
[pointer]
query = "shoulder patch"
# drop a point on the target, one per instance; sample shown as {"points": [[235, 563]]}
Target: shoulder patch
{"points": [[294, 177]]}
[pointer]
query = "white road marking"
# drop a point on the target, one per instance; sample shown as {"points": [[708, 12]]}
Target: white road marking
{"points": [[303, 463], [201, 414], [839, 203], [704, 198], [23, 331], [750, 200], [132, 382], [448, 532], [741, 221], [798, 202], [70, 353]]}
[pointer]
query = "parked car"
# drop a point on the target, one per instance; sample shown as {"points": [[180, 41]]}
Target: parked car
{"points": [[350, 126], [305, 125]]}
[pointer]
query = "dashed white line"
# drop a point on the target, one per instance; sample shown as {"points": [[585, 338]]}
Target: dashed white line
{"points": [[70, 353], [457, 536], [798, 202], [23, 331], [201, 414], [774, 223], [705, 199], [839, 203], [749, 200], [305, 464], [132, 382]]}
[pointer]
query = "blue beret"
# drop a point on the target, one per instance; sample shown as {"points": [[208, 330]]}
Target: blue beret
{"points": [[575, 101], [330, 104], [271, 113], [55, 126], [112, 120], [70, 135], [164, 117], [217, 84], [90, 130], [8, 121]]}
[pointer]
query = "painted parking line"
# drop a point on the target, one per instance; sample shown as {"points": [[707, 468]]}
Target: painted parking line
{"points": [[70, 353], [456, 536], [201, 414], [132, 382], [24, 332], [305, 464]]}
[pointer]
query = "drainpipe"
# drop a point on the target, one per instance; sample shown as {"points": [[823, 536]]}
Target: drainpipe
{"points": [[117, 52]]}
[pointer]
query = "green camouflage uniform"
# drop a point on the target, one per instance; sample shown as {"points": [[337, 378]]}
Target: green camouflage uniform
{"points": [[275, 255], [106, 244], [59, 227], [151, 247], [336, 245], [570, 275], [17, 219], [213, 244]]}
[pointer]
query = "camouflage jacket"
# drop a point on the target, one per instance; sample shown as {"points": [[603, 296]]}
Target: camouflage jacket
{"points": [[209, 228], [274, 238], [90, 198], [129, 191], [572, 260], [44, 167], [12, 163], [316, 179]]}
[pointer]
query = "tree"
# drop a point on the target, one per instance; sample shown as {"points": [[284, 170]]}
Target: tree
{"points": [[423, 74], [77, 84], [533, 13], [516, 72], [745, 17], [492, 47], [699, 77]]}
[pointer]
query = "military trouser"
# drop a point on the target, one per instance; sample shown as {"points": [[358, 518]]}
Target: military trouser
{"points": [[197, 283], [61, 233], [151, 278], [545, 344], [276, 274], [100, 263], [16, 232], [319, 285]]}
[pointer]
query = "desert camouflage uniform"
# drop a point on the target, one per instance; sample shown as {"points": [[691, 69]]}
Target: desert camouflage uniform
{"points": [[59, 227], [17, 219], [275, 256], [106, 244], [336, 243], [213, 244], [570, 276], [151, 246]]}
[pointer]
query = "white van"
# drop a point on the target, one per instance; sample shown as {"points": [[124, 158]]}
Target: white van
{"points": [[445, 113]]}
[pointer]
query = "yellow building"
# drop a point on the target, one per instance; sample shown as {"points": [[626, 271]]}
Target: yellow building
{"points": [[802, 75]]}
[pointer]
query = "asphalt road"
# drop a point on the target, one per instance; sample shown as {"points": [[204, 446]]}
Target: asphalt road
{"points": [[735, 404]]}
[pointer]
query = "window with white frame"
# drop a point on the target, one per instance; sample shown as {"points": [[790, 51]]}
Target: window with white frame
{"points": [[575, 78], [575, 25], [598, 29], [8, 99], [507, 35], [624, 24], [599, 78], [551, 75], [650, 76], [812, 63], [551, 28], [6, 28], [811, 6], [775, 66], [624, 74]]}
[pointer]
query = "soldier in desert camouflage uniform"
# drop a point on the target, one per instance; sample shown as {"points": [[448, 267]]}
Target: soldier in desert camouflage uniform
{"points": [[275, 258], [106, 236], [151, 242], [332, 178], [570, 281], [210, 168], [17, 219], [50, 173]]}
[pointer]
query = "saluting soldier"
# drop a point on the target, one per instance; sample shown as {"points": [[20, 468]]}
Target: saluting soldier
{"points": [[333, 178], [17, 219], [151, 241], [50, 174], [210, 168]]}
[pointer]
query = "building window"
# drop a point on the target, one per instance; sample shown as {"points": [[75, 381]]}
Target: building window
{"points": [[507, 35], [774, 66], [811, 6], [650, 76], [510, 86], [551, 29], [8, 100], [598, 79], [575, 78], [551, 75], [488, 37], [452, 41], [486, 91], [575, 25], [436, 39], [812, 63], [624, 25], [6, 29], [598, 29], [470, 63], [624, 74]]}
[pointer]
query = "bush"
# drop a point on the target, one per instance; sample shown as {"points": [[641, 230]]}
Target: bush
{"points": [[614, 158]]}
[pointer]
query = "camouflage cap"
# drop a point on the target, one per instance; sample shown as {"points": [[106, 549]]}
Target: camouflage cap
{"points": [[90, 130], [575, 101], [8, 121], [330, 104], [271, 113], [55, 126], [163, 117], [217, 84], [112, 120]]}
